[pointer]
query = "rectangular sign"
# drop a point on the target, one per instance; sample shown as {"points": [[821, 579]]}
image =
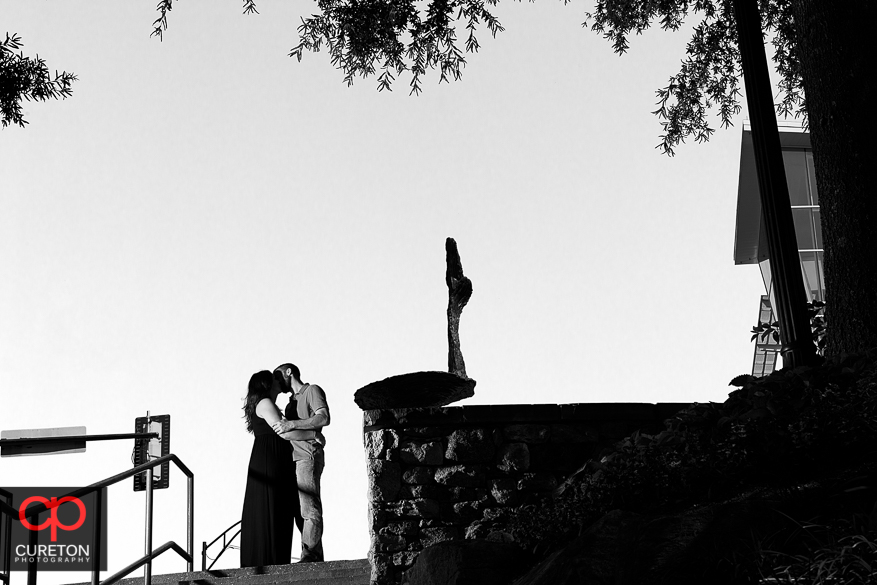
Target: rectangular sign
{"points": [[145, 451], [65, 532], [43, 448]]}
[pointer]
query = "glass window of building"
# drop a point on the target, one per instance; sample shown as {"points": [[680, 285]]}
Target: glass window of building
{"points": [[750, 244]]}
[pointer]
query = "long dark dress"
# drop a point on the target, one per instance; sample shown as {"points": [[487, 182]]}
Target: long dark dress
{"points": [[270, 502]]}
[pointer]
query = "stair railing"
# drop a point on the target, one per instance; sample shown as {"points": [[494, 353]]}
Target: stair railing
{"points": [[7, 538], [225, 545], [32, 513]]}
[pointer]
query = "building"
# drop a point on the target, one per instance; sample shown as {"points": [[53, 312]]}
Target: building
{"points": [[750, 239]]}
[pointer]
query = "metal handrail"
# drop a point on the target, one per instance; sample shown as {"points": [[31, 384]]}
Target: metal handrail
{"points": [[225, 545], [4, 575], [34, 510], [147, 559]]}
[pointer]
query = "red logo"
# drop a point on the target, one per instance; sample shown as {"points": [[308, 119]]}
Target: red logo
{"points": [[52, 521]]}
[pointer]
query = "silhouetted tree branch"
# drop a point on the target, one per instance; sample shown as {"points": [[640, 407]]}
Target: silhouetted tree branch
{"points": [[25, 78]]}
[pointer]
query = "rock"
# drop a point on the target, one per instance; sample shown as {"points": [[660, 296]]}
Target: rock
{"points": [[565, 433], [470, 445], [382, 567], [527, 433], [388, 542], [423, 452], [466, 562], [496, 514], [459, 292], [377, 417], [414, 390], [466, 512], [538, 482], [426, 432], [478, 529], [419, 475], [432, 523], [462, 494], [500, 536], [505, 491], [404, 559], [377, 443], [406, 528], [460, 476], [384, 479], [514, 457], [419, 508], [416, 491], [431, 536], [377, 517]]}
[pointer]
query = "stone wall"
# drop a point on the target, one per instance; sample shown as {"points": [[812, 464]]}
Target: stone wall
{"points": [[437, 474]]}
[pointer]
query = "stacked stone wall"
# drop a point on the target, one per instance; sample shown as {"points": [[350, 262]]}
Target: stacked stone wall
{"points": [[449, 473]]}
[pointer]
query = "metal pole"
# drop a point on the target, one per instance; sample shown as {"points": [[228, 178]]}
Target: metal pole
{"points": [[96, 556], [7, 536], [147, 568], [32, 560], [66, 438], [190, 522], [785, 266]]}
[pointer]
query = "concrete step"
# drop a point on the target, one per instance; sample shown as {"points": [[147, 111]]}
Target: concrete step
{"points": [[356, 572]]}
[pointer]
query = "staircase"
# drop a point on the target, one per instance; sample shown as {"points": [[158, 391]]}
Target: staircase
{"points": [[355, 572]]}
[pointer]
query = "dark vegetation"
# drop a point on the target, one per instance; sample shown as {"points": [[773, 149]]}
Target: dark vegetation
{"points": [[808, 436], [28, 79], [816, 313]]}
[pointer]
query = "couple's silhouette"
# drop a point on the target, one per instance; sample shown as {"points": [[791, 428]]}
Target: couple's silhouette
{"points": [[286, 463]]}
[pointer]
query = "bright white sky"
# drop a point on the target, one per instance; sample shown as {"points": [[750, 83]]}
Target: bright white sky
{"points": [[206, 207]]}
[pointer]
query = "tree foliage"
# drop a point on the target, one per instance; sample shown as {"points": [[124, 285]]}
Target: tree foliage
{"points": [[389, 38], [25, 78], [709, 75], [816, 314]]}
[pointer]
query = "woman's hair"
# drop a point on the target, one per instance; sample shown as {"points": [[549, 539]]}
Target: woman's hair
{"points": [[259, 388]]}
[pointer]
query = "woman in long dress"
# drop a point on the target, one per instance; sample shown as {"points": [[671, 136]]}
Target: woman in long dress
{"points": [[270, 501]]}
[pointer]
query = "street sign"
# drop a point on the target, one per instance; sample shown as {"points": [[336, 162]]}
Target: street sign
{"points": [[146, 451], [45, 447]]}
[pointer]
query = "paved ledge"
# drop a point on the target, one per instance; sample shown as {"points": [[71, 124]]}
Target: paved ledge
{"points": [[355, 572]]}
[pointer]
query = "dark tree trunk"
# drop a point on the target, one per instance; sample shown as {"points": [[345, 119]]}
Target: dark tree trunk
{"points": [[839, 64]]}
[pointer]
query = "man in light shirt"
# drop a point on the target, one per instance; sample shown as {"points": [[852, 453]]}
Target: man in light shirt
{"points": [[307, 411]]}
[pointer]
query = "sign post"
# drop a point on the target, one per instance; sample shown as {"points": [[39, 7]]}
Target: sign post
{"points": [[26, 442], [63, 440]]}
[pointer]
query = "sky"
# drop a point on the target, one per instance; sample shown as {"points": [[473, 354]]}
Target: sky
{"points": [[205, 207]]}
